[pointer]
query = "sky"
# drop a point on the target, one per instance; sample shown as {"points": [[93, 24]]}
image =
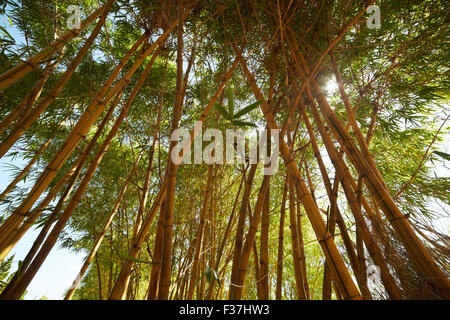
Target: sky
{"points": [[62, 265]]}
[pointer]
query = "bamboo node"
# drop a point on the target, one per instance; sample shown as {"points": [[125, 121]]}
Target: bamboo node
{"points": [[327, 236]]}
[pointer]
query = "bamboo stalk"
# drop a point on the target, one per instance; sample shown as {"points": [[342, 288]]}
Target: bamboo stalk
{"points": [[53, 236], [344, 176], [166, 259], [238, 283], [280, 244], [264, 241], [345, 283], [154, 274], [135, 248], [77, 134], [26, 123], [25, 170], [33, 217], [156, 262], [362, 266], [302, 255], [299, 277], [143, 200], [225, 237], [331, 224], [133, 94], [19, 71], [199, 236], [102, 233], [11, 238], [332, 195], [25, 105], [237, 253], [419, 255]]}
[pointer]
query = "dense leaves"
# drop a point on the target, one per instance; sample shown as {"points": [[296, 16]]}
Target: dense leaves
{"points": [[396, 77]]}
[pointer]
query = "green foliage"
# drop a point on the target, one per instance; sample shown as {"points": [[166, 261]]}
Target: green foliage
{"points": [[234, 118], [399, 72], [5, 272], [443, 155]]}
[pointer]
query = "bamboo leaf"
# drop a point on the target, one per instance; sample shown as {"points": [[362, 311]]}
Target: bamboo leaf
{"points": [[6, 33], [244, 124], [230, 102], [247, 109], [216, 276], [222, 111], [444, 155], [126, 256], [208, 274]]}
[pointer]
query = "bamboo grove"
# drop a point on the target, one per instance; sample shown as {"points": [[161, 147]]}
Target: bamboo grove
{"points": [[86, 121]]}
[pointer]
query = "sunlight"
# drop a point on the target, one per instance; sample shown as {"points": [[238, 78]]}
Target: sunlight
{"points": [[331, 87]]}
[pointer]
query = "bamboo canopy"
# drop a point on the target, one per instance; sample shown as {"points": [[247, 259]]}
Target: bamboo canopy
{"points": [[360, 110]]}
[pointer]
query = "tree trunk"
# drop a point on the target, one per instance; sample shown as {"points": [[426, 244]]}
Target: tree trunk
{"points": [[240, 232], [102, 234], [87, 119], [344, 177], [339, 270], [199, 236], [26, 123], [249, 241], [264, 241], [278, 293], [364, 164], [210, 292], [299, 277], [22, 69], [16, 234], [156, 262], [53, 236], [135, 248]]}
